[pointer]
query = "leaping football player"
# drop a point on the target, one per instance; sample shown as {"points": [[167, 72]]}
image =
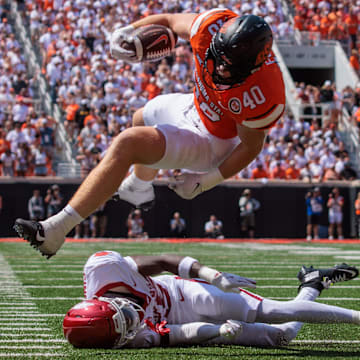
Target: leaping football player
{"points": [[213, 132]]}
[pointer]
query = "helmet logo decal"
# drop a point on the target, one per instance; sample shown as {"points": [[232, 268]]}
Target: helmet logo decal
{"points": [[235, 105]]}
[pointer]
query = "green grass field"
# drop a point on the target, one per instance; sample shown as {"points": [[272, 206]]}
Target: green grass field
{"points": [[36, 293]]}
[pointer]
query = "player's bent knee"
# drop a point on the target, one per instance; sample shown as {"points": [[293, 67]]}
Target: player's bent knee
{"points": [[141, 145]]}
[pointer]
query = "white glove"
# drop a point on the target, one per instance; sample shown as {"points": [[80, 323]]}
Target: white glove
{"points": [[225, 281], [231, 282], [119, 36], [231, 328], [190, 185], [187, 185]]}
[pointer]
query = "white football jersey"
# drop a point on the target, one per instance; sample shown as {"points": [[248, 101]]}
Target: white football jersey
{"points": [[166, 297]]}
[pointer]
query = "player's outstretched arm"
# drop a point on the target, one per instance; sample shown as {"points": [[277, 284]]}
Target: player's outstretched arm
{"points": [[178, 23], [122, 41], [187, 268], [252, 142], [189, 185]]}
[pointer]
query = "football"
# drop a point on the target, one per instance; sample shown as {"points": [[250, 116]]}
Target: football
{"points": [[152, 42]]}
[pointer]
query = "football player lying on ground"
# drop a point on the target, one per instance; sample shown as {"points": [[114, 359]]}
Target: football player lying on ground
{"points": [[216, 130], [126, 306]]}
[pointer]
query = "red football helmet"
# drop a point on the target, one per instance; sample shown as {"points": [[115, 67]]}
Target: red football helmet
{"points": [[102, 322]]}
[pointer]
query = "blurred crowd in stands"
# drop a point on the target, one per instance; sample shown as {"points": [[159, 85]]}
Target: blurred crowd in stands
{"points": [[333, 20], [26, 134], [98, 94]]}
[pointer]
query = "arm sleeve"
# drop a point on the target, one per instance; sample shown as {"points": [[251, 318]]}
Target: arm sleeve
{"points": [[267, 119], [192, 333]]}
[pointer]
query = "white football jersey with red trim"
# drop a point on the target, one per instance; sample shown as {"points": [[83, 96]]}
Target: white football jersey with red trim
{"points": [[106, 270], [166, 297]]}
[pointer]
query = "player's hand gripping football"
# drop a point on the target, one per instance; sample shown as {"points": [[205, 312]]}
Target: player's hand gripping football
{"points": [[187, 185], [120, 37], [231, 283], [231, 328]]}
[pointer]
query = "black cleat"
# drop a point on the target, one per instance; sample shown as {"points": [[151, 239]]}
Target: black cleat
{"points": [[322, 278], [28, 230]]}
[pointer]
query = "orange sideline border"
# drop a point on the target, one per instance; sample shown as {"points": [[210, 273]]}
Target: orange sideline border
{"points": [[196, 240]]}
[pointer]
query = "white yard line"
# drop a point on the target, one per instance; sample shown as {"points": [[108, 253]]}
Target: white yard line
{"points": [[25, 304], [259, 287], [47, 271], [49, 355], [21, 319], [270, 297], [271, 266], [30, 336], [53, 286], [25, 315], [45, 268], [318, 299], [24, 347], [292, 287], [334, 341], [228, 265], [34, 329], [16, 309], [49, 298], [43, 341], [81, 286]]}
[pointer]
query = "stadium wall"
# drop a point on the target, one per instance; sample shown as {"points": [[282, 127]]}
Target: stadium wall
{"points": [[282, 213]]}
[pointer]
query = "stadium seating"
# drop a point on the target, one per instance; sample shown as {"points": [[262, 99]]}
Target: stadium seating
{"points": [[22, 125], [99, 95]]}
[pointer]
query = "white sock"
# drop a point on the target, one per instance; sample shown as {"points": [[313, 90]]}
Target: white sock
{"points": [[356, 317], [137, 182], [62, 222]]}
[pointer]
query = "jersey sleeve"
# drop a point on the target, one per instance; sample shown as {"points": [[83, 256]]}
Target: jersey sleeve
{"points": [[264, 97], [105, 270], [267, 119]]}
